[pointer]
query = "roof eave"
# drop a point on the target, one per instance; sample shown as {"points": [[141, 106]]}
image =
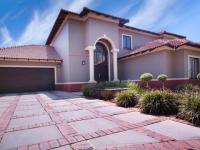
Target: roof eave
{"points": [[31, 59]]}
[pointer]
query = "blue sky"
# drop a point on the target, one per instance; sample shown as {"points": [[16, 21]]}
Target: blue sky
{"points": [[30, 21]]}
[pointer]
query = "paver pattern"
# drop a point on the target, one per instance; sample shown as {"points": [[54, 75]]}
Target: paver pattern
{"points": [[67, 121]]}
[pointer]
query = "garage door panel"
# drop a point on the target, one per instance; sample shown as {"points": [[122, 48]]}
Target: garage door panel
{"points": [[26, 79]]}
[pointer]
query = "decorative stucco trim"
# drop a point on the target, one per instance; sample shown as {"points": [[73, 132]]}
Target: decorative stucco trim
{"points": [[157, 80], [106, 38], [189, 47], [67, 83], [162, 48], [138, 32]]}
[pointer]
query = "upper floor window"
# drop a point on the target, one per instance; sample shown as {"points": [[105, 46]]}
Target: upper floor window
{"points": [[126, 41], [194, 67]]}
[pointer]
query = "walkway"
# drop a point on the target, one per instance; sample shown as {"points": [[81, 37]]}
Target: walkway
{"points": [[59, 120]]}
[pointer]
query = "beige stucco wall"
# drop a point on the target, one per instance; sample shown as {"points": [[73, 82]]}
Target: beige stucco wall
{"points": [[97, 28], [172, 63], [132, 68], [61, 45], [77, 52]]}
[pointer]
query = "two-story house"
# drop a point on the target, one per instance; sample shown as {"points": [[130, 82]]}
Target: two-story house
{"points": [[91, 46]]}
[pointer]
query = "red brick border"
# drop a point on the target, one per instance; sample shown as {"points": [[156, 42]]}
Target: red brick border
{"points": [[6, 116]]}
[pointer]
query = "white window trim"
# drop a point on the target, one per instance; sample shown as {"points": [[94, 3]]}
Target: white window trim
{"points": [[191, 56], [24, 66], [123, 34]]}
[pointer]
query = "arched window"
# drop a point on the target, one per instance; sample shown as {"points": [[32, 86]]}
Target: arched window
{"points": [[100, 54]]}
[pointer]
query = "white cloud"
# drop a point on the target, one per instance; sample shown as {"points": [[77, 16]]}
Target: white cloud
{"points": [[77, 5], [5, 36], [125, 9], [150, 13], [39, 27]]}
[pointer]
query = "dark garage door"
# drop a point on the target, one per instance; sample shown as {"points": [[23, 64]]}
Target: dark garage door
{"points": [[26, 79]]}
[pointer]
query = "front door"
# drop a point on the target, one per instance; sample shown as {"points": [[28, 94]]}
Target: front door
{"points": [[100, 63]]}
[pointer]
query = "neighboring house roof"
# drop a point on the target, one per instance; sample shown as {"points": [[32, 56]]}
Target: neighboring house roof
{"points": [[172, 34], [63, 13], [174, 43], [140, 30], [30, 52]]}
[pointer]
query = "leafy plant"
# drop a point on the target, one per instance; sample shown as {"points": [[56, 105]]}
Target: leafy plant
{"points": [[103, 85], [191, 109], [135, 87], [160, 103], [127, 98], [88, 90], [187, 88], [107, 95], [146, 77], [162, 78]]}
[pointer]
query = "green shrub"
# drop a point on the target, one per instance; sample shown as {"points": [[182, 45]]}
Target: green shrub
{"points": [[103, 85], [107, 95], [191, 109], [88, 90], [162, 78], [160, 103], [135, 87], [187, 88], [198, 76], [146, 77], [127, 99]]}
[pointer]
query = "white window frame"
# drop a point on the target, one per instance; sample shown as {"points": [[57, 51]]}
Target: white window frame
{"points": [[123, 34], [191, 56]]}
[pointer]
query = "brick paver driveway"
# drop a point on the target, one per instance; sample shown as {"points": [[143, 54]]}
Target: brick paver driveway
{"points": [[60, 120]]}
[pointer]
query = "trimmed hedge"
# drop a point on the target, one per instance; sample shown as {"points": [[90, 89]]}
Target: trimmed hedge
{"points": [[127, 99], [146, 77], [160, 103], [162, 78]]}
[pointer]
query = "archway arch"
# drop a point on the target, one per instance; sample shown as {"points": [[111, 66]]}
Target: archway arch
{"points": [[102, 62], [108, 39], [111, 49]]}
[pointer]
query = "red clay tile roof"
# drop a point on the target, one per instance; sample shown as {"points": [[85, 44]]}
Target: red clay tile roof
{"points": [[34, 52], [174, 43]]}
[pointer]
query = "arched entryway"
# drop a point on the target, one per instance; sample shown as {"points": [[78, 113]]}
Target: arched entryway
{"points": [[101, 62], [100, 69]]}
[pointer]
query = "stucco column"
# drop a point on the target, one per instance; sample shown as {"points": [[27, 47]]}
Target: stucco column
{"points": [[91, 61], [115, 68]]}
